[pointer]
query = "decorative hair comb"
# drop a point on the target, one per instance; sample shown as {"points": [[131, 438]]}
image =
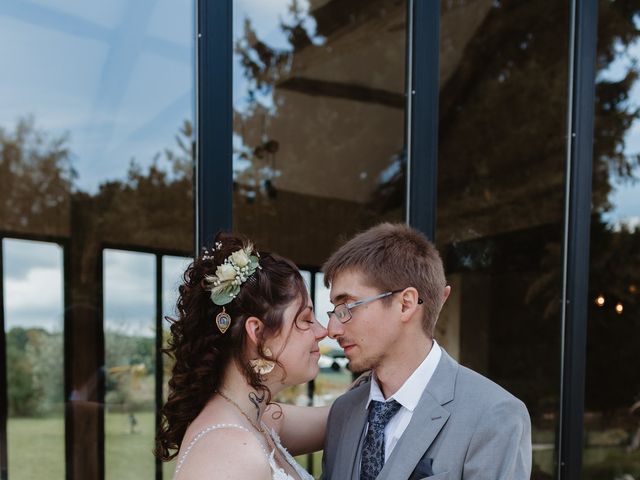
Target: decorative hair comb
{"points": [[225, 284]]}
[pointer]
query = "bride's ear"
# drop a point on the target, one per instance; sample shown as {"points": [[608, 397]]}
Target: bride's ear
{"points": [[254, 328]]}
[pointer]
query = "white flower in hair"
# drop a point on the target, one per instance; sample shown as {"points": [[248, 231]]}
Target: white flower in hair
{"points": [[225, 272], [236, 269], [240, 258]]}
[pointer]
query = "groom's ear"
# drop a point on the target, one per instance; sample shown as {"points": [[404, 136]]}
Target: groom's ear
{"points": [[447, 292], [410, 301]]}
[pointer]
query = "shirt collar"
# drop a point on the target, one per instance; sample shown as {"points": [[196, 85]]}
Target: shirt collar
{"points": [[411, 390]]}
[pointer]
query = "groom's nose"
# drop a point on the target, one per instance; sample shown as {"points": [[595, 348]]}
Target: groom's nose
{"points": [[335, 328]]}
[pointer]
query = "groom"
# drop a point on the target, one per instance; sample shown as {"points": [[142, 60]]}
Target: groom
{"points": [[421, 415]]}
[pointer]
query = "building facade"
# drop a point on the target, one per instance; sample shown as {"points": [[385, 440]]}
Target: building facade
{"points": [[130, 132]]}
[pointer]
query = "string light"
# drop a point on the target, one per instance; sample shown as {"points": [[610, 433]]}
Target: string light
{"points": [[619, 308], [600, 301]]}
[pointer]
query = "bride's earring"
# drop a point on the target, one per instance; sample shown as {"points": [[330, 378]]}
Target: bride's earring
{"points": [[262, 366]]}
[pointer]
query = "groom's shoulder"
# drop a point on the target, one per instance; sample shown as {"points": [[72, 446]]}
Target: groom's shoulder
{"points": [[358, 392], [471, 384]]}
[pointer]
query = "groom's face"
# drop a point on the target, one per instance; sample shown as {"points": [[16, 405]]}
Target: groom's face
{"points": [[366, 338]]}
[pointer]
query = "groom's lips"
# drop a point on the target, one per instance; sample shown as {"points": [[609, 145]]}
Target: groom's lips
{"points": [[347, 347]]}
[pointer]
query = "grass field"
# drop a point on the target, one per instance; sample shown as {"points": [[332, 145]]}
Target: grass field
{"points": [[36, 450]]}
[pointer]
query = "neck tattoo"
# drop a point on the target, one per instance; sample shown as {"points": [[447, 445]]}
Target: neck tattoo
{"points": [[256, 400], [255, 425]]}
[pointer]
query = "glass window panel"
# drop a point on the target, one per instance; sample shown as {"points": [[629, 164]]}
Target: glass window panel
{"points": [[502, 137], [319, 106], [129, 343], [34, 330], [612, 401], [96, 147], [172, 270]]}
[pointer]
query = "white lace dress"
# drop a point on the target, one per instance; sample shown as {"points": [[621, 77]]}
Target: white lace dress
{"points": [[277, 473]]}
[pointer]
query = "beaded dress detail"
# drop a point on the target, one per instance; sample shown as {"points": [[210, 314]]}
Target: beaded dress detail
{"points": [[277, 473]]}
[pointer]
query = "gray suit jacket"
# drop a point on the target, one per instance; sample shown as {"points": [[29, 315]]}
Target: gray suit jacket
{"points": [[465, 425]]}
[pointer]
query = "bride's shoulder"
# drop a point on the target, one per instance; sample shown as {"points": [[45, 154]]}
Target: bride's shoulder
{"points": [[221, 451]]}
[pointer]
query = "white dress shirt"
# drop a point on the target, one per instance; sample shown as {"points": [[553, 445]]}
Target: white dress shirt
{"points": [[407, 396]]}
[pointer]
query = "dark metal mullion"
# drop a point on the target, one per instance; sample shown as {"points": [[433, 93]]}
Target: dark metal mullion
{"points": [[583, 40], [214, 119], [67, 336], [423, 90], [159, 367], [4, 401], [101, 361]]}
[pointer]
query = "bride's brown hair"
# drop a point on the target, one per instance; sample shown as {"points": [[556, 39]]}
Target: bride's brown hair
{"points": [[201, 352]]}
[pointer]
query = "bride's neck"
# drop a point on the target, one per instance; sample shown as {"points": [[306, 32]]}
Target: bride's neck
{"points": [[251, 401]]}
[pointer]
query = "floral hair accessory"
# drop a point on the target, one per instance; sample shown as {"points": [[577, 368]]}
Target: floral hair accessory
{"points": [[236, 269]]}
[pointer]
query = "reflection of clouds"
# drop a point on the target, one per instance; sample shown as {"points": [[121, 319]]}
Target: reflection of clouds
{"points": [[22, 255], [107, 76], [625, 199], [265, 19], [33, 291], [106, 14], [129, 292], [629, 223]]}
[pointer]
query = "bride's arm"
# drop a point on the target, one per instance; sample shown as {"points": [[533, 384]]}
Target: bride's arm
{"points": [[301, 429]]}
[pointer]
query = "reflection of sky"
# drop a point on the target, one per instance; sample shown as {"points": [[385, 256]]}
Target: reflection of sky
{"points": [[625, 197], [265, 18], [118, 76], [172, 270], [129, 292], [33, 294]]}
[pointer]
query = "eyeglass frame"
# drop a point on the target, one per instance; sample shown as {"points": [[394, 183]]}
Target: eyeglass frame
{"points": [[363, 301]]}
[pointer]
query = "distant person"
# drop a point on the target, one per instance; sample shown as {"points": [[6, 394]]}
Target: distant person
{"points": [[245, 330], [422, 414], [133, 422]]}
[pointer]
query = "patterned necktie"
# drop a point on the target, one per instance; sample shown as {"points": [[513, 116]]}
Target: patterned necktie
{"points": [[373, 449]]}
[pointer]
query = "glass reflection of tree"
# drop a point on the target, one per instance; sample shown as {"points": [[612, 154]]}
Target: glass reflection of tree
{"points": [[36, 179], [502, 148], [263, 68], [151, 207]]}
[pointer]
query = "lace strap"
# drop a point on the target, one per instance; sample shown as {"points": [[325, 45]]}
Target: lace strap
{"points": [[201, 434]]}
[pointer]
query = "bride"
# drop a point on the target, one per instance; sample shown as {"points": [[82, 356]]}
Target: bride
{"points": [[245, 330]]}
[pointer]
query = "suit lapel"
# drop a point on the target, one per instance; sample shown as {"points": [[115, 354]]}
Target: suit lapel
{"points": [[351, 435], [428, 419]]}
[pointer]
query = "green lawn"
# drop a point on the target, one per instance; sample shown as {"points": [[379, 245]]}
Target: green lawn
{"points": [[36, 448], [129, 455]]}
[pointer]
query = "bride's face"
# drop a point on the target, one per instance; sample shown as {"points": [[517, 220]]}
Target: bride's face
{"points": [[296, 346]]}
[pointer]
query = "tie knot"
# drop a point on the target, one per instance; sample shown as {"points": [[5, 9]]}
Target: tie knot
{"points": [[381, 412]]}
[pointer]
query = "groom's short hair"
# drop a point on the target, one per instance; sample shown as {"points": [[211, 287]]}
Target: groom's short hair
{"points": [[390, 257]]}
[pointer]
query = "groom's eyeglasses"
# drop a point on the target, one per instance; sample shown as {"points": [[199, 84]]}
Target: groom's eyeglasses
{"points": [[343, 311]]}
